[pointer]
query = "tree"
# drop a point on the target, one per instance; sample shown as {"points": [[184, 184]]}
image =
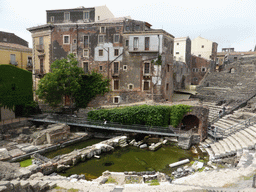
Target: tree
{"points": [[62, 81], [91, 85]]}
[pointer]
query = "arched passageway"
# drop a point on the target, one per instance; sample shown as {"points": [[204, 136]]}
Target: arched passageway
{"points": [[189, 122]]}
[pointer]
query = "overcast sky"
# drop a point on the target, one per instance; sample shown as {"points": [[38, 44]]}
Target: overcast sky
{"points": [[230, 23]]}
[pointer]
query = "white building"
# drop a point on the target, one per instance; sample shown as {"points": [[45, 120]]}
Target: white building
{"points": [[204, 48], [182, 49]]}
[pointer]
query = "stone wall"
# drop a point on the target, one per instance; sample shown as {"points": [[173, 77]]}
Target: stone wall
{"points": [[6, 114]]}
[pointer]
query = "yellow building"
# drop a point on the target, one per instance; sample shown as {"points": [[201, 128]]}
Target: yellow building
{"points": [[15, 54]]}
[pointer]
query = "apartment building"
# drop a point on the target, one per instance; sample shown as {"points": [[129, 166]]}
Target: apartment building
{"points": [[122, 49]]}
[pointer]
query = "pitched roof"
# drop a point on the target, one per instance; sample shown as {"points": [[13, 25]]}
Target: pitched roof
{"points": [[13, 46]]}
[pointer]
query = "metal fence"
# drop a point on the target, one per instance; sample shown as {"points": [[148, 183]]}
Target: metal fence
{"points": [[71, 120]]}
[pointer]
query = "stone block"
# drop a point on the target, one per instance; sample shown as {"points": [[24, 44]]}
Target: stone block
{"points": [[16, 153], [4, 154], [29, 149]]}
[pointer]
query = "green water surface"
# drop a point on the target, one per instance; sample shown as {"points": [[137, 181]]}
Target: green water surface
{"points": [[131, 159]]}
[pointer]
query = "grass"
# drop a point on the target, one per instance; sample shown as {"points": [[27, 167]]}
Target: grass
{"points": [[61, 189], [133, 180], [26, 163], [153, 182], [111, 180]]}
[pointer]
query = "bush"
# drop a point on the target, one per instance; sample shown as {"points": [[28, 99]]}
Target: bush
{"points": [[143, 115], [30, 108]]}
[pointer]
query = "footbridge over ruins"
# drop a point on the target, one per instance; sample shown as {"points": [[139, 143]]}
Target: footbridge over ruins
{"points": [[81, 122]]}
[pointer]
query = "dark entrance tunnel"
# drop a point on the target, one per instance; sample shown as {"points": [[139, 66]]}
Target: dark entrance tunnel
{"points": [[189, 122]]}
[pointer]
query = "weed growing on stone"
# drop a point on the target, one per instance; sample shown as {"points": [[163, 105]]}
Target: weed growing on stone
{"points": [[26, 163], [111, 180], [153, 182]]}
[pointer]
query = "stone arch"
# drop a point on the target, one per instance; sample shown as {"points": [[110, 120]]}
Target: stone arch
{"points": [[232, 70], [190, 122], [199, 117]]}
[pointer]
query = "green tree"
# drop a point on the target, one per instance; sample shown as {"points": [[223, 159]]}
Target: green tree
{"points": [[62, 81], [91, 85]]}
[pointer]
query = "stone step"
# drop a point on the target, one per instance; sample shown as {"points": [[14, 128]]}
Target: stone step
{"points": [[251, 131], [231, 146], [221, 149], [228, 122], [210, 153], [249, 136], [235, 143], [227, 150], [221, 125], [246, 140], [215, 151], [240, 140]]}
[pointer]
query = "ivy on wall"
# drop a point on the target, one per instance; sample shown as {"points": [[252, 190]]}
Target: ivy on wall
{"points": [[15, 86], [143, 115]]}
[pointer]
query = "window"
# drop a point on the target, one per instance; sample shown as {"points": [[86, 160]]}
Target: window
{"points": [[86, 53], [116, 67], [177, 53], [30, 60], [101, 38], [66, 39], [41, 40], [127, 43], [146, 86], [202, 46], [167, 86], [146, 43], [74, 41], [136, 43], [130, 86], [116, 100], [127, 28], [86, 41], [102, 29], [13, 59], [199, 55], [101, 52], [66, 16], [101, 68], [125, 67], [146, 68], [168, 68], [116, 52], [52, 18], [41, 65], [195, 79], [177, 43], [203, 69], [116, 38], [194, 70], [86, 15], [116, 84], [98, 17], [86, 67], [235, 58]]}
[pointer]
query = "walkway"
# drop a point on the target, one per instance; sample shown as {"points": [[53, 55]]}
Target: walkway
{"points": [[81, 122]]}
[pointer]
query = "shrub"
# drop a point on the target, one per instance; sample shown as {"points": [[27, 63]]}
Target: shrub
{"points": [[143, 115]]}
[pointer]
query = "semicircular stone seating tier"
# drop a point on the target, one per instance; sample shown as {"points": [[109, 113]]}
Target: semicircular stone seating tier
{"points": [[243, 138]]}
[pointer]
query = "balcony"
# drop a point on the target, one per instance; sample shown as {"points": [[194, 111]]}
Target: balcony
{"points": [[115, 74], [40, 72], [40, 48], [15, 63]]}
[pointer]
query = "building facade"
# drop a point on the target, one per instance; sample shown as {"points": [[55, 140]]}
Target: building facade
{"points": [[199, 67], [182, 50], [15, 51], [204, 48], [122, 49]]}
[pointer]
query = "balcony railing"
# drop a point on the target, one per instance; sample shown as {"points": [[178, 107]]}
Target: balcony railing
{"points": [[40, 48], [14, 63], [39, 71]]}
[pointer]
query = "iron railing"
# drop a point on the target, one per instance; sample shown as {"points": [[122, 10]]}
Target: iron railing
{"points": [[71, 120]]}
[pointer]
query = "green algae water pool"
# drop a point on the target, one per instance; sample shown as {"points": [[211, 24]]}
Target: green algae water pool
{"points": [[131, 159]]}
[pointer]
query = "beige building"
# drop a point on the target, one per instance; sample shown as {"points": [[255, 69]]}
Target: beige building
{"points": [[204, 48], [182, 49]]}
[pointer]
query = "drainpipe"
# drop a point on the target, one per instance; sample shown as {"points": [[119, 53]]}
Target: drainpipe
{"points": [[77, 41]]}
